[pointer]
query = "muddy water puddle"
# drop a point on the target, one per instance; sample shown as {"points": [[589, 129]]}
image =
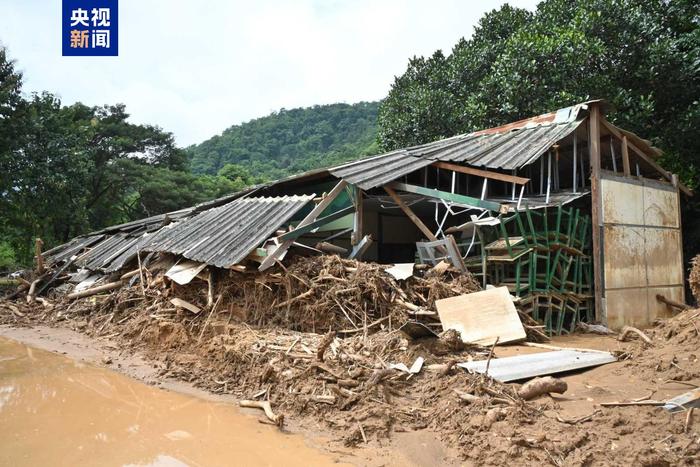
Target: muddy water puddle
{"points": [[57, 411]]}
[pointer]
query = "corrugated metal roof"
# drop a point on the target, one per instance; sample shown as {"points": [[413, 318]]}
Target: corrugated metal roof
{"points": [[539, 364], [67, 250], [101, 255], [509, 147], [225, 235], [378, 170]]}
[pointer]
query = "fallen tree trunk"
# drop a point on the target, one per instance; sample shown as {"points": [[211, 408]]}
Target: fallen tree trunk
{"points": [[539, 386], [95, 290]]}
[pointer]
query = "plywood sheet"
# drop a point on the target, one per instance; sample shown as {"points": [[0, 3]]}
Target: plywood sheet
{"points": [[624, 257], [627, 307], [623, 203], [663, 256], [481, 317], [660, 207]]}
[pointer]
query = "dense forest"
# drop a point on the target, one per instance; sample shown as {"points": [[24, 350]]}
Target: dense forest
{"points": [[292, 141], [67, 170]]}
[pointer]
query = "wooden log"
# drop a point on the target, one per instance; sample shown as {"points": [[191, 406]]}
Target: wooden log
{"points": [[325, 343], [539, 386], [38, 244], [267, 408], [629, 329], [95, 290], [129, 275], [32, 291], [330, 248], [466, 397], [672, 303], [624, 404], [180, 303]]}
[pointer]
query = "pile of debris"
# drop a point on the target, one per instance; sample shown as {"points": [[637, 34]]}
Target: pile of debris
{"points": [[694, 278], [326, 342]]}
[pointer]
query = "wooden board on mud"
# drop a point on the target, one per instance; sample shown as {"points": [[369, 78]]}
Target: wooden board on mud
{"points": [[481, 317]]}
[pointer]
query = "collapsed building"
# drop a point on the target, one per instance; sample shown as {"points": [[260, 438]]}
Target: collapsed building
{"points": [[571, 213]]}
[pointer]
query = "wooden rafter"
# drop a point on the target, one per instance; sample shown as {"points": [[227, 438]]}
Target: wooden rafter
{"points": [[411, 215], [481, 173], [642, 155]]}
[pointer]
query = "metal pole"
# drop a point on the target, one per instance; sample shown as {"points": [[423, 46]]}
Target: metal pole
{"points": [[483, 188], [549, 175], [454, 174], [612, 152], [541, 174], [575, 156], [520, 198]]}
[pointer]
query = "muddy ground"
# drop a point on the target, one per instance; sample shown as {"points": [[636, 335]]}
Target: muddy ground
{"points": [[418, 415], [316, 342]]}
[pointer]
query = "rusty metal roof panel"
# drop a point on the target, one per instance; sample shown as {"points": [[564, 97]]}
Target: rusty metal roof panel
{"points": [[225, 235]]}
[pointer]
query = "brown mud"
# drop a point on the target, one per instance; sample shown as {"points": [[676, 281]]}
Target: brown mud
{"points": [[57, 411]]}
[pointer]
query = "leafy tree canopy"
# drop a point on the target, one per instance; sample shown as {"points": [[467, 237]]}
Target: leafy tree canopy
{"points": [[641, 56]]}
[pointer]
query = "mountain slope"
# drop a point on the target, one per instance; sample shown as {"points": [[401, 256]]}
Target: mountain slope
{"points": [[292, 141]]}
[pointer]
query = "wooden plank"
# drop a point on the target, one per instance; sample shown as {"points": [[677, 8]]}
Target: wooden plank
{"points": [[596, 203], [646, 158], [481, 173], [361, 248], [299, 231], [625, 157], [482, 317], [315, 212], [180, 303], [411, 215], [454, 197], [357, 226]]}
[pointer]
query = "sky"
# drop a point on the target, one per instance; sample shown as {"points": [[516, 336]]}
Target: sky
{"points": [[195, 68]]}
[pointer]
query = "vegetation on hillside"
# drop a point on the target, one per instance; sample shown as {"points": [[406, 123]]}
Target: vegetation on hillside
{"points": [[292, 141]]}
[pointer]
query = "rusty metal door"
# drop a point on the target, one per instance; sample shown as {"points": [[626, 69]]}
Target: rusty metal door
{"points": [[642, 249]]}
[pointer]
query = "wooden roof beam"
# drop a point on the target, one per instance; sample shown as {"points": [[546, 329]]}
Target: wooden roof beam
{"points": [[481, 173], [645, 157]]}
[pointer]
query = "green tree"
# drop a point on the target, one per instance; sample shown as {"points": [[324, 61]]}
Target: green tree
{"points": [[641, 56]]}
